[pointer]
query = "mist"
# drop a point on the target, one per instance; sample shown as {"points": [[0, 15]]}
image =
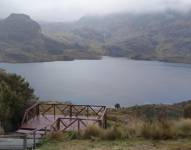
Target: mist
{"points": [[70, 10]]}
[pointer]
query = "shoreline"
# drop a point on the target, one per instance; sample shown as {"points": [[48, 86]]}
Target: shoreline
{"points": [[188, 62]]}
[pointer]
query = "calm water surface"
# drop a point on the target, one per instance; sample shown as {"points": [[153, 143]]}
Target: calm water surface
{"points": [[107, 81]]}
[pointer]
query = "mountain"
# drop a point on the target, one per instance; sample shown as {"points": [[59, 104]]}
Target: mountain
{"points": [[21, 40], [164, 36]]}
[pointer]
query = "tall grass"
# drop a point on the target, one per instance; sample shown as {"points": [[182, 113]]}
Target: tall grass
{"points": [[158, 130], [92, 131], [155, 130], [183, 127]]}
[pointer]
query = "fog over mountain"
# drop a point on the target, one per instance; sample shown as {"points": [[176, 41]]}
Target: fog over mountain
{"points": [[147, 29], [69, 10], [21, 40]]}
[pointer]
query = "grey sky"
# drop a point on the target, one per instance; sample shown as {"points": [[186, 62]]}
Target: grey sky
{"points": [[68, 10]]}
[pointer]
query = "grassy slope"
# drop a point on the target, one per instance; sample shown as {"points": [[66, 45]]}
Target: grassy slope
{"points": [[123, 116], [136, 144]]}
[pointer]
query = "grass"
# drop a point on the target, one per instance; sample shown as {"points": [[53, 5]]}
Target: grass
{"points": [[126, 132], [156, 135], [183, 127], [131, 144]]}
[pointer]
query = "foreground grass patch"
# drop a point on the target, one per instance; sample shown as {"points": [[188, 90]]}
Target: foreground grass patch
{"points": [[135, 144]]}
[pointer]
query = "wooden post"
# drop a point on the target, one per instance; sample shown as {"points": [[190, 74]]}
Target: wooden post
{"points": [[58, 124], [105, 119], [70, 111], [25, 142], [87, 110], [54, 112], [37, 110], [78, 125]]}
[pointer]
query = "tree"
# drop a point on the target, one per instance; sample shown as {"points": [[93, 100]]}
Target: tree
{"points": [[117, 106], [15, 96]]}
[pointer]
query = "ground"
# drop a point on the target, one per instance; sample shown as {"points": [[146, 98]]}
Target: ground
{"points": [[134, 144]]}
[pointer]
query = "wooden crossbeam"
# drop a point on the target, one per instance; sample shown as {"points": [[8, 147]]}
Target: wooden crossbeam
{"points": [[46, 110], [61, 110], [70, 125], [82, 114], [83, 122]]}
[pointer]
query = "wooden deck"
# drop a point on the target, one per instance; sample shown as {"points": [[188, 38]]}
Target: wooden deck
{"points": [[46, 117], [40, 122]]}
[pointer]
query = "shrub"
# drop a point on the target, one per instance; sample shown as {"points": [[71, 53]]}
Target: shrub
{"points": [[92, 131], [134, 128], [57, 136], [111, 134], [158, 130], [72, 135], [117, 106], [183, 127]]}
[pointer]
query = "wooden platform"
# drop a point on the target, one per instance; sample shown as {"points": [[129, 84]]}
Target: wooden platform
{"points": [[44, 117], [40, 122]]}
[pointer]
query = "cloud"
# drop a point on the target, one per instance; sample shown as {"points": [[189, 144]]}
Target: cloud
{"points": [[64, 10]]}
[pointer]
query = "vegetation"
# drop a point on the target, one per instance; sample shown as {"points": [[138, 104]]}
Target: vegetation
{"points": [[15, 96], [160, 36], [117, 106], [173, 135], [132, 144], [127, 128]]}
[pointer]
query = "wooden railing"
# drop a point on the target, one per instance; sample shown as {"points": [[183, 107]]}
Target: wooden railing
{"points": [[68, 110], [67, 117], [64, 124], [31, 112]]}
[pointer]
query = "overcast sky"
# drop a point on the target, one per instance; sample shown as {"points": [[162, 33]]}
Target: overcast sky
{"points": [[68, 10]]}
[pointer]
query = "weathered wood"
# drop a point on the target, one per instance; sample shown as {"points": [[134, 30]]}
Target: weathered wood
{"points": [[44, 117]]}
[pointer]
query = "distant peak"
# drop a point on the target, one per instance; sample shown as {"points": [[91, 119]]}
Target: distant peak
{"points": [[19, 16]]}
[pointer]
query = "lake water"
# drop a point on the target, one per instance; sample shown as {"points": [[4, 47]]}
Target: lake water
{"points": [[107, 81]]}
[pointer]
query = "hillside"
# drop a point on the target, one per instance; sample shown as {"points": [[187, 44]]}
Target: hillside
{"points": [[21, 40], [161, 36]]}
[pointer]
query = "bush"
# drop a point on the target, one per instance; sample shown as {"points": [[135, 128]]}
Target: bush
{"points": [[57, 136], [72, 135], [111, 134], [158, 130], [92, 131], [134, 128], [97, 132]]}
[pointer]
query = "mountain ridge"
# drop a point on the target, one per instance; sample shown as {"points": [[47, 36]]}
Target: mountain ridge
{"points": [[163, 36], [22, 40]]}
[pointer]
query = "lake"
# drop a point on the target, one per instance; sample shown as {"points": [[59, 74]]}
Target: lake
{"points": [[107, 81]]}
